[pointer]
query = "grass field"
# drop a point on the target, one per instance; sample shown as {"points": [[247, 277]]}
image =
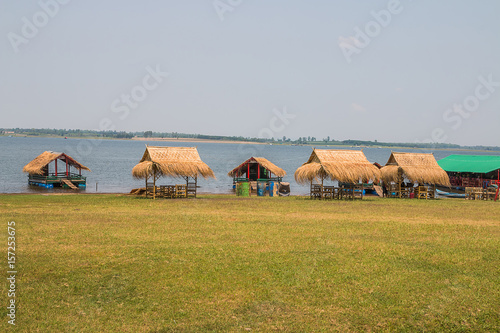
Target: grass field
{"points": [[113, 263]]}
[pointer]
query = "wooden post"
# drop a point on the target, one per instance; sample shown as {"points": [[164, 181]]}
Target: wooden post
{"points": [[258, 171], [248, 171], [55, 166], [146, 186], [321, 190], [195, 185], [154, 183]]}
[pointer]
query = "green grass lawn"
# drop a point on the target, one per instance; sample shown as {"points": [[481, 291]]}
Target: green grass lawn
{"points": [[112, 263]]}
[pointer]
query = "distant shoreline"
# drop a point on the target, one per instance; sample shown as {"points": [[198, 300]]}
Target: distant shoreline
{"points": [[195, 140]]}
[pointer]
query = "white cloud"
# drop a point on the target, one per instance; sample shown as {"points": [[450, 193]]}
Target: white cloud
{"points": [[357, 107], [348, 42]]}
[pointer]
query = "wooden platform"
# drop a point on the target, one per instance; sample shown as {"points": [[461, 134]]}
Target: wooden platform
{"points": [[323, 192], [166, 191]]}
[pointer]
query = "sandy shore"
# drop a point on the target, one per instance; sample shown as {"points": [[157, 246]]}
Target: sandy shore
{"points": [[196, 140]]}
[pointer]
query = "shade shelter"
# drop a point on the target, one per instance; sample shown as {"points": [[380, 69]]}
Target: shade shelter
{"points": [[348, 167], [472, 170], [177, 162], [257, 169], [44, 171], [403, 170]]}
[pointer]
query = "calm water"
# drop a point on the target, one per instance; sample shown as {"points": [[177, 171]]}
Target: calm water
{"points": [[111, 161]]}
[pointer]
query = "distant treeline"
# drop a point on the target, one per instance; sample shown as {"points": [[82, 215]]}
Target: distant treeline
{"points": [[310, 140], [66, 133]]}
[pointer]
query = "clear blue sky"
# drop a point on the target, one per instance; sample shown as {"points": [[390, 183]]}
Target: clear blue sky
{"points": [[231, 63]]}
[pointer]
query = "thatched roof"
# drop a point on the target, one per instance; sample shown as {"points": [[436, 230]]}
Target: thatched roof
{"points": [[36, 166], [349, 166], [419, 168], [171, 161], [262, 161]]}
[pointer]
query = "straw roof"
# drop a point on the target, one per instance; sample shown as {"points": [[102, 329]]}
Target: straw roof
{"points": [[419, 168], [36, 166], [349, 166], [262, 161], [171, 161]]}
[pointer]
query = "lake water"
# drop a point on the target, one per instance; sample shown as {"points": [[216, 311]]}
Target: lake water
{"points": [[111, 161]]}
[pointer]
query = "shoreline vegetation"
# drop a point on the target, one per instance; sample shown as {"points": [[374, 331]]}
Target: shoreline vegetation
{"points": [[115, 263], [201, 138]]}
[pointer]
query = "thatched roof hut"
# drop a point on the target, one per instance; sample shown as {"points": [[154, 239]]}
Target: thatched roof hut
{"points": [[171, 161], [416, 167], [257, 167], [348, 166], [39, 166]]}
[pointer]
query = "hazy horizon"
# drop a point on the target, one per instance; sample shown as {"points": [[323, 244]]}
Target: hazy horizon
{"points": [[392, 71]]}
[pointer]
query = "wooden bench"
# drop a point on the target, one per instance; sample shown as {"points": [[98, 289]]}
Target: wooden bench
{"points": [[393, 190], [316, 191], [191, 190], [180, 191], [421, 192], [328, 192], [167, 191]]}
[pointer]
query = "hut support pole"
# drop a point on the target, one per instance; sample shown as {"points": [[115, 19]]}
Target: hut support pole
{"points": [[322, 181], [154, 185], [55, 167], [146, 186]]}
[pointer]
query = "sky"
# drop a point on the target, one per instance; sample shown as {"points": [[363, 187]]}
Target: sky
{"points": [[392, 71]]}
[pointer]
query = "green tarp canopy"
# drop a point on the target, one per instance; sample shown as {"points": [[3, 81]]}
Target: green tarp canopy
{"points": [[470, 163]]}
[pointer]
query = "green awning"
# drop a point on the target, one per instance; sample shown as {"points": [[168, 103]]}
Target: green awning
{"points": [[470, 163]]}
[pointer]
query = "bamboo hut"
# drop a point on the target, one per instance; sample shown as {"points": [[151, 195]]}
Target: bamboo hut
{"points": [[348, 167], [257, 169], [403, 170], [43, 173], [177, 162]]}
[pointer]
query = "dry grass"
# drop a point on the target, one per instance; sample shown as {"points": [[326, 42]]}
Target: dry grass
{"points": [[113, 263]]}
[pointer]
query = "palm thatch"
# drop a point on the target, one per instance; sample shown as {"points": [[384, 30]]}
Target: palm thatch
{"points": [[37, 166], [173, 162], [418, 168], [263, 162], [349, 166]]}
